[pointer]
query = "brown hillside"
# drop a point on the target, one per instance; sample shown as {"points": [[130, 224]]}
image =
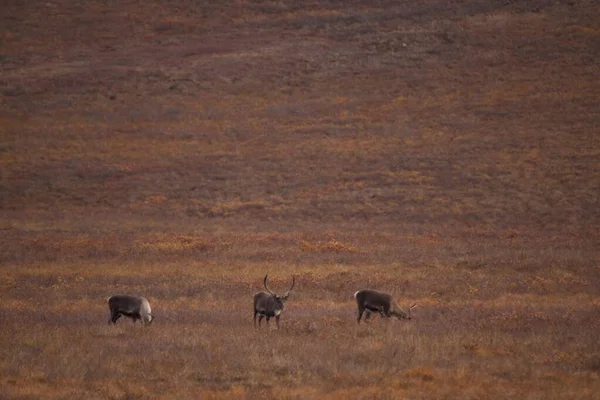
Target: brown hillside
{"points": [[446, 152]]}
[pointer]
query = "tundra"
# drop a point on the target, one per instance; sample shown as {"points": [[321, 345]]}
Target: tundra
{"points": [[370, 300], [268, 304], [133, 307]]}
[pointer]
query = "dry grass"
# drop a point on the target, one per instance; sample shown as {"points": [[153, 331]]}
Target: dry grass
{"points": [[514, 323], [446, 154]]}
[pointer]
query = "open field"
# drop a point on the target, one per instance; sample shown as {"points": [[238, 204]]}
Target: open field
{"points": [[445, 152]]}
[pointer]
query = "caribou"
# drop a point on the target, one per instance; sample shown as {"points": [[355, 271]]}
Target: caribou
{"points": [[268, 304], [369, 300], [133, 307]]}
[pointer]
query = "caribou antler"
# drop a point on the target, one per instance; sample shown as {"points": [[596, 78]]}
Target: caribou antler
{"points": [[293, 283], [411, 307], [266, 287]]}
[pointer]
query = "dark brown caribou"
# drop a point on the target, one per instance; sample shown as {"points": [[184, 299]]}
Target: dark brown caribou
{"points": [[268, 304], [369, 300], [134, 307]]}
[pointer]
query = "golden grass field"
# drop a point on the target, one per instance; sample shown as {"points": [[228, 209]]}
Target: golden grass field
{"points": [[445, 152]]}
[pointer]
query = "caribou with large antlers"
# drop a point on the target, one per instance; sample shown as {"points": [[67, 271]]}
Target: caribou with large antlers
{"points": [[370, 300], [268, 304]]}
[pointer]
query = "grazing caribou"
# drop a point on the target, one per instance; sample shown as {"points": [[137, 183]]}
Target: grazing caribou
{"points": [[133, 307], [370, 300], [268, 304]]}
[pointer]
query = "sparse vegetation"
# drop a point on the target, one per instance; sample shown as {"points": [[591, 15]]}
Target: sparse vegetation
{"points": [[444, 153]]}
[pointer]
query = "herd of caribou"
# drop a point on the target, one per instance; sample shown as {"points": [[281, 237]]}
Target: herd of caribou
{"points": [[266, 305]]}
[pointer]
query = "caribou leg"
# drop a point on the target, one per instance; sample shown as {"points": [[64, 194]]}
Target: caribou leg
{"points": [[385, 311], [360, 313], [114, 317]]}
